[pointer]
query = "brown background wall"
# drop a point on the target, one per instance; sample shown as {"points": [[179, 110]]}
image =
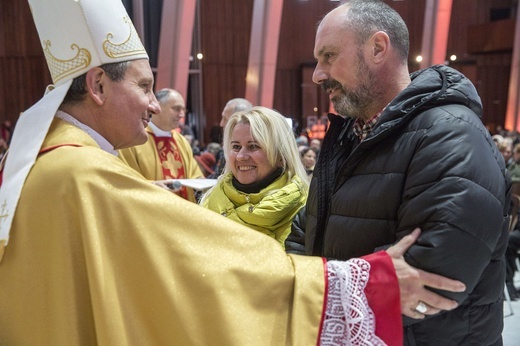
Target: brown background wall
{"points": [[23, 70], [225, 31], [483, 48]]}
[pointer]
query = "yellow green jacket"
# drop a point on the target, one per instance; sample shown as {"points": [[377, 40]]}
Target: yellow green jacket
{"points": [[269, 211]]}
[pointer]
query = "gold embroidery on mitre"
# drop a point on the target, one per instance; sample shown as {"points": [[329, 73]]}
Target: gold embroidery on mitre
{"points": [[131, 46], [62, 68]]}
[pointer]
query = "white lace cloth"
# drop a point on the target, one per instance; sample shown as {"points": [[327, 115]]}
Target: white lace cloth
{"points": [[348, 319]]}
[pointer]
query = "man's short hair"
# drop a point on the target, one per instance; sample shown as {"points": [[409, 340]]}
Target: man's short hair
{"points": [[77, 91], [366, 17], [162, 94]]}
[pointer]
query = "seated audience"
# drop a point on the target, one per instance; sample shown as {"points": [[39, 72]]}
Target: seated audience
{"points": [[513, 244], [514, 167], [506, 149], [315, 144], [214, 148], [309, 161], [206, 163]]}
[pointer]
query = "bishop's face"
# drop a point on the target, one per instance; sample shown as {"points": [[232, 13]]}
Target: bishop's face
{"points": [[128, 106]]}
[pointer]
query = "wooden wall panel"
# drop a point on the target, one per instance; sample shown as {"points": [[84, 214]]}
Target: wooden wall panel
{"points": [[225, 35], [412, 12], [314, 100], [492, 85], [489, 72], [491, 37], [295, 55], [225, 43], [465, 14], [288, 93], [24, 73]]}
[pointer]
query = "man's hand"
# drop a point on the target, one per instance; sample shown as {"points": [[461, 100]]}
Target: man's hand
{"points": [[412, 282], [167, 186]]}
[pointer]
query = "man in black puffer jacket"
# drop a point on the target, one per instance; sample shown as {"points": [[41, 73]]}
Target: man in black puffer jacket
{"points": [[409, 151]]}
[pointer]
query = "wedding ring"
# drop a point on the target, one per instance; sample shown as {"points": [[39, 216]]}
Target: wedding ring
{"points": [[421, 308]]}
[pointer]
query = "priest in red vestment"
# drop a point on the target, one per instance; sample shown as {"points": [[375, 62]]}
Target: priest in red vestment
{"points": [[167, 154]]}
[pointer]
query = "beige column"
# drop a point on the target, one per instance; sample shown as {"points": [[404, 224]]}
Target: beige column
{"points": [[263, 52], [435, 32], [173, 61], [513, 99]]}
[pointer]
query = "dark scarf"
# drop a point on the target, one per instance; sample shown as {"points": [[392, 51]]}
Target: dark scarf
{"points": [[259, 185]]}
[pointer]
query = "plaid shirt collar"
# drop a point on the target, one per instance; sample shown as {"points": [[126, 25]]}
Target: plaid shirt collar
{"points": [[362, 129]]}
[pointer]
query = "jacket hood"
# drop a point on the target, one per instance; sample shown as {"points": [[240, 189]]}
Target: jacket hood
{"points": [[432, 87]]}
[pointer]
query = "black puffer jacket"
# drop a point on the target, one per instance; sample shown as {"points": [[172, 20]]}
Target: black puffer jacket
{"points": [[428, 163]]}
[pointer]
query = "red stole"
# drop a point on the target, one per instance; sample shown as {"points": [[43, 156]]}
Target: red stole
{"points": [[171, 161]]}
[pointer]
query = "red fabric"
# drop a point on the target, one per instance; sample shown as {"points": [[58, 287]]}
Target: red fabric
{"points": [[171, 161], [382, 292], [44, 150]]}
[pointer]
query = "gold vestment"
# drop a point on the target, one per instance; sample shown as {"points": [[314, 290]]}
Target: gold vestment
{"points": [[98, 255]]}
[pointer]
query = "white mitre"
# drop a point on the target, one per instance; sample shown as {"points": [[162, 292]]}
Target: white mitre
{"points": [[76, 35]]}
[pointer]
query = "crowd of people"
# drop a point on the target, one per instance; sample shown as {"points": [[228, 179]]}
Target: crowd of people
{"points": [[508, 142], [393, 229]]}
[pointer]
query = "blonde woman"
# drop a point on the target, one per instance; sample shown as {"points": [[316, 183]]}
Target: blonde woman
{"points": [[264, 183]]}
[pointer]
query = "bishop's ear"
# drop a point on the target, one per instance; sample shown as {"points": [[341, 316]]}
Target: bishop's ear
{"points": [[95, 83]]}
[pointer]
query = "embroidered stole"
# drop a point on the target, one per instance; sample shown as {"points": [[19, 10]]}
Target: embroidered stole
{"points": [[171, 161]]}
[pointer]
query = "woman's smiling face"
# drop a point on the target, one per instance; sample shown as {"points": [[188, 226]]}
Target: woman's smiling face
{"points": [[248, 161]]}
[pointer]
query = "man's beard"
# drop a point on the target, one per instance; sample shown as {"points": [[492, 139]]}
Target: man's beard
{"points": [[354, 102]]}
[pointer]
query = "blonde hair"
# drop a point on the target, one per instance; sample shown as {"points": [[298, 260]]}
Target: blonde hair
{"points": [[274, 135]]}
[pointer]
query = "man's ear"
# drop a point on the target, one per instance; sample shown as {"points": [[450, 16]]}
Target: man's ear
{"points": [[95, 83], [380, 44]]}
